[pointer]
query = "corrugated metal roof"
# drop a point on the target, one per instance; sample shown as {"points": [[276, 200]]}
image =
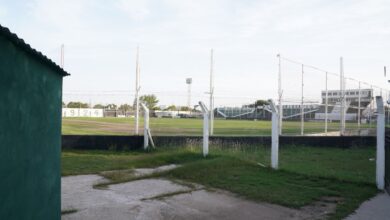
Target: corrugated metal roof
{"points": [[5, 32]]}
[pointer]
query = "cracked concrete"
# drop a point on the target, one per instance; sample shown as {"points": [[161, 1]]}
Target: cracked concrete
{"points": [[142, 199]]}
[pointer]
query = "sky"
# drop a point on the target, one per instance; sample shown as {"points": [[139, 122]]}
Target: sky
{"points": [[175, 38]]}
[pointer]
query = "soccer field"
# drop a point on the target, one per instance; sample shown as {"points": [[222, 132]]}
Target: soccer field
{"points": [[181, 126]]}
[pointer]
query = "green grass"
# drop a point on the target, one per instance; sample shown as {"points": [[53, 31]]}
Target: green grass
{"points": [[88, 162], [178, 126], [280, 187], [306, 174]]}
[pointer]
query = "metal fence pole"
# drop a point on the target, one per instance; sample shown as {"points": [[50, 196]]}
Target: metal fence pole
{"points": [[280, 115], [137, 89], [326, 102], [211, 113], [342, 98], [359, 97], [302, 108]]}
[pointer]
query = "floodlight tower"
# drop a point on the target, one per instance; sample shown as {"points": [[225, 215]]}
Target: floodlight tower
{"points": [[189, 82], [137, 89], [211, 121]]}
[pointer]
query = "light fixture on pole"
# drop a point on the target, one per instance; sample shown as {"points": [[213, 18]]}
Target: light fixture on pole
{"points": [[189, 82]]}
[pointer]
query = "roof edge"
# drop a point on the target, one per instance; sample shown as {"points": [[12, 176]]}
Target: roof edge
{"points": [[20, 43]]}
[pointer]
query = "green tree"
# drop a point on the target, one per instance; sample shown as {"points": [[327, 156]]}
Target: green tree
{"points": [[111, 107], [77, 105], [261, 102], [171, 108], [63, 105], [185, 108], [125, 107], [257, 103], [100, 106], [149, 100]]}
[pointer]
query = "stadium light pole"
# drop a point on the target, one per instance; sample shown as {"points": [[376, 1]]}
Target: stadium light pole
{"points": [[137, 89], [280, 112], [211, 121], [189, 82]]}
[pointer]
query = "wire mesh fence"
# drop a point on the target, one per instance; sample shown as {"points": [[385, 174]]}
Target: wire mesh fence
{"points": [[313, 102], [326, 103]]}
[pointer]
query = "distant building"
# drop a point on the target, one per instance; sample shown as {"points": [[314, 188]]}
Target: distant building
{"points": [[351, 104], [30, 131], [351, 96]]}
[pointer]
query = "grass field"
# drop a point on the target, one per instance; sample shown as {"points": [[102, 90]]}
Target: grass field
{"points": [[306, 174], [177, 126]]}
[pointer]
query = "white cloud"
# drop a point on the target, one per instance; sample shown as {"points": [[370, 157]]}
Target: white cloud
{"points": [[137, 10], [3, 11], [175, 37]]}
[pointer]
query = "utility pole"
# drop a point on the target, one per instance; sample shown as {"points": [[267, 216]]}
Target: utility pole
{"points": [[211, 121], [280, 112], [137, 89]]}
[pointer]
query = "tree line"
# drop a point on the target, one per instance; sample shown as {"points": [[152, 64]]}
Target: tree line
{"points": [[150, 101]]}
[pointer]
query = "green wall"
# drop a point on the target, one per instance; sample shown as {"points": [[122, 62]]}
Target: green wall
{"points": [[30, 131]]}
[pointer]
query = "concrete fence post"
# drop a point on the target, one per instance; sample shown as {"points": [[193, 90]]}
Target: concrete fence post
{"points": [[146, 126], [205, 129], [380, 144], [275, 137]]}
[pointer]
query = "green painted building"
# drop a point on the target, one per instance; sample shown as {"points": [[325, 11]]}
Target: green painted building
{"points": [[30, 131]]}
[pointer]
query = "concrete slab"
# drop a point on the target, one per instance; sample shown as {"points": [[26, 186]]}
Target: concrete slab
{"points": [[377, 208], [127, 201]]}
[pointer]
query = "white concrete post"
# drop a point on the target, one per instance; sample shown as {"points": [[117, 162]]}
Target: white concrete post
{"points": [[146, 126], [380, 144], [275, 137], [205, 112]]}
